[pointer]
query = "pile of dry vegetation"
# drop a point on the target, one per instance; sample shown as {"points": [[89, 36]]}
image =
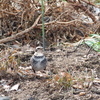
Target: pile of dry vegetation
{"points": [[67, 21]]}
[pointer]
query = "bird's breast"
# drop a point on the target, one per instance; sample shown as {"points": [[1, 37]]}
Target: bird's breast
{"points": [[39, 63]]}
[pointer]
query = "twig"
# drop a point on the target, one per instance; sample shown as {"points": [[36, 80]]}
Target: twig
{"points": [[97, 27], [58, 22], [8, 12], [89, 50]]}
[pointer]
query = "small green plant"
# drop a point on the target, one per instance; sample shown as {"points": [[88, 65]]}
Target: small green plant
{"points": [[94, 42], [67, 83], [64, 80]]}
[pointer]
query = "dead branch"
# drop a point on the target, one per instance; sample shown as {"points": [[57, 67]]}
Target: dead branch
{"points": [[18, 35], [8, 12], [58, 22]]}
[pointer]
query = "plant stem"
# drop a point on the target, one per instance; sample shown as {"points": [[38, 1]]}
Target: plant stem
{"points": [[43, 34]]}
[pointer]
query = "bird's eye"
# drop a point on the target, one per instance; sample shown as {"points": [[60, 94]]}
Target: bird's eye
{"points": [[36, 50]]}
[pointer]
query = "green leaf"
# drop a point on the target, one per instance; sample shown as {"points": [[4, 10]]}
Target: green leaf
{"points": [[94, 35], [94, 42], [96, 46], [90, 42]]}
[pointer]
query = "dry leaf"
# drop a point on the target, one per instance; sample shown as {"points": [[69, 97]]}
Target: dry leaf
{"points": [[56, 77], [82, 93], [66, 75], [6, 87], [15, 87], [77, 86], [96, 80]]}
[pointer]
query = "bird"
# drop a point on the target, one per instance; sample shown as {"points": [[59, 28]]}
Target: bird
{"points": [[38, 60]]}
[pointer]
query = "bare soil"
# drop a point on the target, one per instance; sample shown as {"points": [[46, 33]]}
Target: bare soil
{"points": [[59, 59]]}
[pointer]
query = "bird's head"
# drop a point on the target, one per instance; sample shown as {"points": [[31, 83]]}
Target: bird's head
{"points": [[39, 49]]}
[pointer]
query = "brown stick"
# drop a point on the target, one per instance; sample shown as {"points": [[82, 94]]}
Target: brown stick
{"points": [[8, 12], [58, 22], [18, 35]]}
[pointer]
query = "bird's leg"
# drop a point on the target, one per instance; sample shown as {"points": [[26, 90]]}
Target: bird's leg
{"points": [[45, 68], [43, 71], [33, 70], [34, 73]]}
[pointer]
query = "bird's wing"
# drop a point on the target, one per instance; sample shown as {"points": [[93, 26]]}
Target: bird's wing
{"points": [[44, 62]]}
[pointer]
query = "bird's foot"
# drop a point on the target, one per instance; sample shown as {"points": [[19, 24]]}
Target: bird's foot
{"points": [[42, 71]]}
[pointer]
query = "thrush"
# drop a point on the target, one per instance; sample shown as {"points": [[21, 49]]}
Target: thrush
{"points": [[38, 60]]}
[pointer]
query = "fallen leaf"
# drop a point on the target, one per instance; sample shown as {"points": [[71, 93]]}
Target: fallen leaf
{"points": [[77, 86], [96, 80], [82, 93], [56, 78], [6, 87], [86, 84], [15, 87]]}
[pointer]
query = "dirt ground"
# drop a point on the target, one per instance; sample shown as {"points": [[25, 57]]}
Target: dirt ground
{"points": [[60, 59]]}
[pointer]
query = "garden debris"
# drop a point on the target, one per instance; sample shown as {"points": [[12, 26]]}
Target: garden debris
{"points": [[73, 70], [67, 21], [82, 93], [15, 87]]}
